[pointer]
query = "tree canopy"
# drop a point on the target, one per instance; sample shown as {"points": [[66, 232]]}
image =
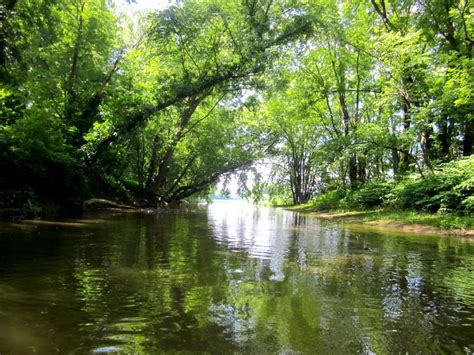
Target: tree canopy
{"points": [[159, 105]]}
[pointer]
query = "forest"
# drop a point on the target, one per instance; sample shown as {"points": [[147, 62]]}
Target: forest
{"points": [[349, 103]]}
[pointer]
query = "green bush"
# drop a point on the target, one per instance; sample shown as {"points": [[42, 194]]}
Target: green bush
{"points": [[369, 195], [38, 140], [449, 189], [331, 200]]}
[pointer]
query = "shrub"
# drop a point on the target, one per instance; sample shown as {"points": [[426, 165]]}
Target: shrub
{"points": [[449, 189], [330, 200], [369, 195]]}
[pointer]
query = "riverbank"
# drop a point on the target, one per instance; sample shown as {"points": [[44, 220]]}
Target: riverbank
{"points": [[406, 221]]}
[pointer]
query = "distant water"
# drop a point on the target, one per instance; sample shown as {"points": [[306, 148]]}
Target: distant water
{"points": [[231, 277]]}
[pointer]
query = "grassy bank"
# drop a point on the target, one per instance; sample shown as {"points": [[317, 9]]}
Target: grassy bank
{"points": [[442, 199], [407, 220]]}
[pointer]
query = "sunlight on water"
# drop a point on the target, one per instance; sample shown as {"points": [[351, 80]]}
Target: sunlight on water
{"points": [[230, 277], [241, 226]]}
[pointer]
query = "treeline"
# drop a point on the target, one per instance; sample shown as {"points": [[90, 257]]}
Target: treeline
{"points": [[158, 106], [146, 108], [372, 107]]}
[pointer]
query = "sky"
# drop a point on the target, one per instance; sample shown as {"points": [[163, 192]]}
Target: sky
{"points": [[144, 4], [151, 4]]}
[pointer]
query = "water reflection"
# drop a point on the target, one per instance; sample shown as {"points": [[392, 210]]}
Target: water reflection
{"points": [[231, 277]]}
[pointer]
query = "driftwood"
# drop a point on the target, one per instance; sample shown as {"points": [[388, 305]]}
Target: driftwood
{"points": [[99, 203]]}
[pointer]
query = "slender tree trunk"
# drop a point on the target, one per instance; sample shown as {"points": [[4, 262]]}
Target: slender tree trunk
{"points": [[140, 159], [352, 164], [74, 72], [395, 161], [6, 12], [153, 160], [405, 158], [426, 147], [444, 138], [468, 139]]}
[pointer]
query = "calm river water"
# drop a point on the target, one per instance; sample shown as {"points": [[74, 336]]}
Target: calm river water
{"points": [[230, 277]]}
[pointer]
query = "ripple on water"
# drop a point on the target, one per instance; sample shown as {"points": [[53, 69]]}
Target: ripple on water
{"points": [[234, 278]]}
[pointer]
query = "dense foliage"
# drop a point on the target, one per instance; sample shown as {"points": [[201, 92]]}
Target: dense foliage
{"points": [[450, 189], [361, 103]]}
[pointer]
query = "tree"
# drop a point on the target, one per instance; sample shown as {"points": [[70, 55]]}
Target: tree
{"points": [[57, 56], [207, 46]]}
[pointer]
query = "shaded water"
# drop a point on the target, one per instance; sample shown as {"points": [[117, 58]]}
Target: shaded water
{"points": [[231, 277]]}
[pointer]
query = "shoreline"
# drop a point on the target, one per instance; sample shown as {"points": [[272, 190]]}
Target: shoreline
{"points": [[369, 219]]}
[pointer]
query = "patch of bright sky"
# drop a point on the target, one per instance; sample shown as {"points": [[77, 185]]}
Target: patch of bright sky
{"points": [[139, 5]]}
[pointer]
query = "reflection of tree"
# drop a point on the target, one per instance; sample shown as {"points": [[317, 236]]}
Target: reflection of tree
{"points": [[168, 282], [367, 300]]}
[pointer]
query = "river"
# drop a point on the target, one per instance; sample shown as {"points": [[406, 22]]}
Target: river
{"points": [[230, 277]]}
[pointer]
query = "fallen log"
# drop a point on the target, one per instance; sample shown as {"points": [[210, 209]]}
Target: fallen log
{"points": [[98, 203]]}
